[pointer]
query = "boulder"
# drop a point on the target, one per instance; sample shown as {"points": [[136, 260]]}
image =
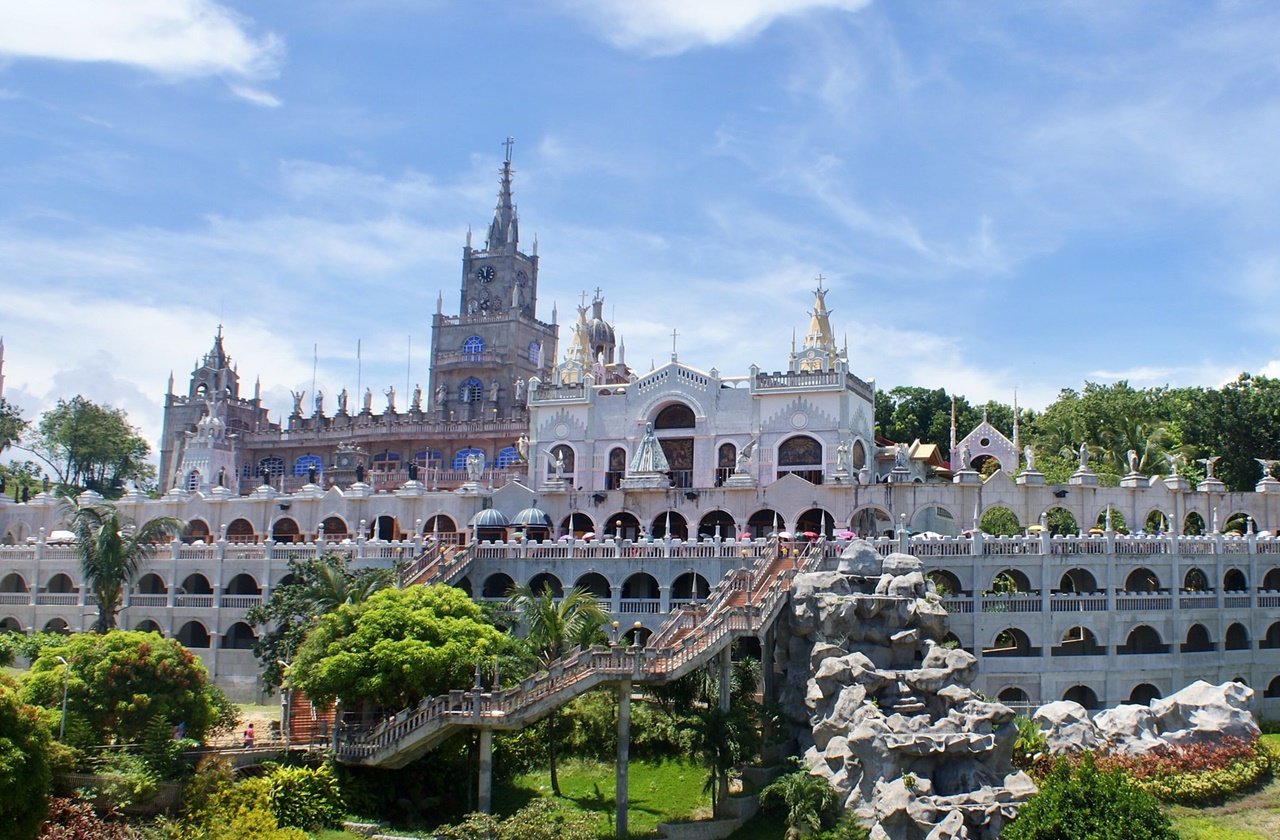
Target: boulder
{"points": [[859, 558], [1128, 729], [902, 564], [1067, 727], [1203, 713]]}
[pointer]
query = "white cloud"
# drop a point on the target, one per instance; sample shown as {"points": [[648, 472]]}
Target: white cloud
{"points": [[672, 26], [255, 96], [171, 38]]}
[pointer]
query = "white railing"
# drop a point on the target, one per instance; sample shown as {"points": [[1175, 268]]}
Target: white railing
{"points": [[239, 602], [15, 597], [138, 599], [1130, 601], [1078, 602], [57, 599], [193, 600]]}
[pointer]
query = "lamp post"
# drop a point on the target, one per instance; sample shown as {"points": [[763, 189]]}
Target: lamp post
{"points": [[284, 701], [66, 677]]}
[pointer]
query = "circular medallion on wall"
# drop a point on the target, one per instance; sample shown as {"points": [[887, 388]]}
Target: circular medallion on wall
{"points": [[799, 420], [562, 430]]}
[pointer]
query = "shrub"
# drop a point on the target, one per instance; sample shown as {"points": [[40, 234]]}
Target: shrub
{"points": [[1031, 743], [1085, 802], [75, 819], [809, 803], [306, 797], [126, 779], [541, 819], [25, 772]]}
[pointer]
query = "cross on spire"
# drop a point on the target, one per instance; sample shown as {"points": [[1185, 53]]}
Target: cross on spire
{"points": [[673, 343], [598, 290], [583, 298], [509, 142], [820, 279]]}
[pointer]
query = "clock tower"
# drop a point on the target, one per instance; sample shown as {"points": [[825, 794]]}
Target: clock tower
{"points": [[496, 340]]}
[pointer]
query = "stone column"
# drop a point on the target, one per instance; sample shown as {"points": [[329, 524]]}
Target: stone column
{"points": [[484, 792], [624, 757], [726, 668]]}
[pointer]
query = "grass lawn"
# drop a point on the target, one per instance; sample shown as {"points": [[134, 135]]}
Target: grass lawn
{"points": [[658, 792], [1254, 817]]}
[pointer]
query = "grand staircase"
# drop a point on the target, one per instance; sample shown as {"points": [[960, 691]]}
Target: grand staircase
{"points": [[440, 562], [745, 602]]}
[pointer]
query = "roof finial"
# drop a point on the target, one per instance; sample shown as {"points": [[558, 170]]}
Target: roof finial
{"points": [[509, 142], [673, 343]]}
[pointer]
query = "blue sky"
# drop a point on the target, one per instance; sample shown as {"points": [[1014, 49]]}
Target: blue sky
{"points": [[999, 195]]}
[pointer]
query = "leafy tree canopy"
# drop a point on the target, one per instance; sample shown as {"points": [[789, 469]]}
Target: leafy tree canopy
{"points": [[315, 586], [11, 424], [399, 646], [91, 447], [25, 773], [118, 682]]}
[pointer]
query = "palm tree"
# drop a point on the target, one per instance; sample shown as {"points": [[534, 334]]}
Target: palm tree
{"points": [[552, 626], [335, 586], [721, 739], [112, 549], [809, 801]]}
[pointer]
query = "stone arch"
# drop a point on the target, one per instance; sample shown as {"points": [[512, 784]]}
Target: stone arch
{"points": [[194, 634], [1002, 580], [935, 518], [1143, 639], [1234, 580], [952, 640], [1195, 580], [577, 523], [148, 626], [1014, 695], [717, 523], [817, 521], [17, 533], [241, 531], [800, 455], [1118, 523], [440, 524], [1060, 521], [858, 454], [640, 585], [675, 415], [539, 583], [595, 583], [1079, 641], [1273, 688], [617, 468], [243, 584], [637, 636], [196, 530], [286, 530], [1144, 693], [386, 528], [196, 584], [570, 456], [10, 625], [1271, 580], [13, 582], [151, 584], [679, 527], [1271, 640], [1193, 524], [335, 528], [622, 524], [1157, 521], [1011, 641], [1084, 695], [239, 636], [1142, 580], [497, 585], [998, 521], [1198, 640], [1080, 581], [690, 586], [764, 522], [871, 521], [945, 583], [1239, 523], [60, 584], [1236, 638], [57, 625]]}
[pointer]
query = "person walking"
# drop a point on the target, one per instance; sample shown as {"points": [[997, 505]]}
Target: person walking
{"points": [[248, 737]]}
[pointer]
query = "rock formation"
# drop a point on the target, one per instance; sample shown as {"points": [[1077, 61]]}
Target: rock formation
{"points": [[885, 712]]}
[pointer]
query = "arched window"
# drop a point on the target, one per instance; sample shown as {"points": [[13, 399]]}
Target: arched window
{"points": [[563, 453], [460, 459], [473, 348], [617, 468], [193, 480], [506, 457], [801, 455], [471, 391], [858, 455], [306, 463], [428, 458], [535, 352], [678, 416], [273, 465], [386, 461], [726, 461]]}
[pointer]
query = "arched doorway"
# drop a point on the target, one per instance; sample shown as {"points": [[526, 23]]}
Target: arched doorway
{"points": [[597, 584], [440, 524], [617, 468], [690, 586], [1011, 641], [1084, 695], [196, 530], [801, 456], [1198, 640], [243, 584], [336, 528], [13, 583], [1009, 582], [945, 583], [1078, 581], [542, 581], [1157, 522], [1195, 580], [1061, 522], [60, 584], [57, 625], [1142, 580], [999, 522], [1193, 524], [193, 635], [385, 528], [285, 530], [1143, 639], [148, 626], [239, 636], [1079, 641], [1237, 637], [497, 585], [1271, 641], [669, 521], [717, 523], [241, 531], [871, 522], [764, 522], [1234, 581], [624, 525], [815, 521], [640, 585], [1013, 695], [1143, 694], [934, 519], [577, 524]]}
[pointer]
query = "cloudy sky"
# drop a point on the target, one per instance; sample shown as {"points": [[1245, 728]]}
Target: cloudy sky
{"points": [[1000, 195]]}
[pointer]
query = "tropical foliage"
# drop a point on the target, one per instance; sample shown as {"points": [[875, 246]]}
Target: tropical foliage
{"points": [[810, 804], [90, 447], [1085, 801], [25, 773]]}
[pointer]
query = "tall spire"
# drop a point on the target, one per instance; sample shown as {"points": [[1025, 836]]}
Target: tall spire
{"points": [[819, 336], [505, 229]]}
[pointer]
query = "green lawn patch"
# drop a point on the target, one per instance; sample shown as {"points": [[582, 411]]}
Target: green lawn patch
{"points": [[662, 791]]}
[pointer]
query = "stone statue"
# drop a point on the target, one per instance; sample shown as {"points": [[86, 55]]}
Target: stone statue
{"points": [[297, 402], [360, 472], [519, 386], [901, 457], [311, 475], [1030, 455], [493, 391], [475, 467], [413, 470], [1208, 465], [1084, 456], [965, 456], [440, 393], [557, 464], [743, 462], [222, 476], [842, 457], [1132, 457], [342, 401], [1173, 458], [649, 457], [1267, 464], [522, 446], [319, 403], [416, 404], [391, 399], [368, 400]]}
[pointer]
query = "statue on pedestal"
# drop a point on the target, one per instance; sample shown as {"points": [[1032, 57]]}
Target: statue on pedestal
{"points": [[1084, 456], [1132, 458], [391, 399], [297, 402], [368, 400], [319, 403], [342, 401], [475, 467], [416, 404]]}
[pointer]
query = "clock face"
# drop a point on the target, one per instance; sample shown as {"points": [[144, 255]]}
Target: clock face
{"points": [[485, 273]]}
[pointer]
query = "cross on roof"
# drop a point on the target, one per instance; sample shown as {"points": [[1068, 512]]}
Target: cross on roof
{"points": [[598, 290], [673, 342], [509, 142], [820, 279]]}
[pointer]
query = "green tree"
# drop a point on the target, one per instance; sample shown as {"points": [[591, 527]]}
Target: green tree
{"points": [[118, 682], [1239, 421], [112, 548], [400, 646], [551, 627], [1085, 803], [809, 802], [12, 425], [91, 446], [316, 586], [25, 773], [541, 819], [722, 739]]}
